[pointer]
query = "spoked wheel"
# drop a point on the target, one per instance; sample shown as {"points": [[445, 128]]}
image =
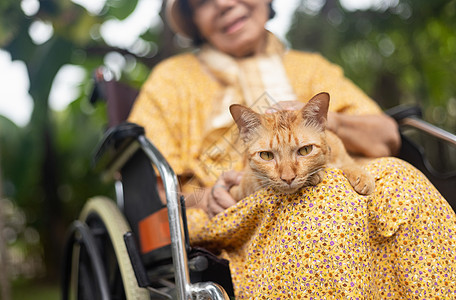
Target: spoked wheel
{"points": [[101, 267]]}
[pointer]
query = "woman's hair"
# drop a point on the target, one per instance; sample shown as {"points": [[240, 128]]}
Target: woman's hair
{"points": [[187, 13]]}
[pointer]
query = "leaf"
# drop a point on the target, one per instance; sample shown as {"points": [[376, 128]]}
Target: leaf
{"points": [[11, 16], [121, 9], [21, 46]]}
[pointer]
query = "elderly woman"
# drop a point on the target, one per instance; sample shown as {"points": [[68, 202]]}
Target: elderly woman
{"points": [[326, 240]]}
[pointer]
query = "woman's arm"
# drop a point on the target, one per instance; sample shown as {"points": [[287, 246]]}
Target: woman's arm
{"points": [[368, 135]]}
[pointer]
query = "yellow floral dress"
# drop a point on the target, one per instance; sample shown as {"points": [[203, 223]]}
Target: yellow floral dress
{"points": [[328, 242], [325, 242]]}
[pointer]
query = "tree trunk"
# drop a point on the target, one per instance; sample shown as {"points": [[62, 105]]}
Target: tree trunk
{"points": [[42, 72], [5, 288], [54, 225]]}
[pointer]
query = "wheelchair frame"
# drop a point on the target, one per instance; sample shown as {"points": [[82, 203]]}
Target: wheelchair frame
{"points": [[81, 234], [122, 142]]}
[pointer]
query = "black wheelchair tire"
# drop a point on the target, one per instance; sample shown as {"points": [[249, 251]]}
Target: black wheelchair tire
{"points": [[108, 226]]}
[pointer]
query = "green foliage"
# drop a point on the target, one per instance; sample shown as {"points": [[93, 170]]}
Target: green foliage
{"points": [[78, 130], [26, 289], [10, 20], [402, 54], [120, 9], [46, 166], [11, 144]]}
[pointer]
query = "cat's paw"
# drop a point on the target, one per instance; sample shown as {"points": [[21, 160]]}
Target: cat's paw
{"points": [[361, 180], [316, 178], [364, 185], [236, 193]]}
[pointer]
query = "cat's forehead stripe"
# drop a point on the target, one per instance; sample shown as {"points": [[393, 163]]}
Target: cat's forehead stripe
{"points": [[281, 120], [292, 139], [296, 140]]}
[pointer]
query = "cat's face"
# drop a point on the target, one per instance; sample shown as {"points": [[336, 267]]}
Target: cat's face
{"points": [[288, 156], [285, 149]]}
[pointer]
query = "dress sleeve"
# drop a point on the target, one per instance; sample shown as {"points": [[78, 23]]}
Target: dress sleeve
{"points": [[157, 109], [311, 74]]}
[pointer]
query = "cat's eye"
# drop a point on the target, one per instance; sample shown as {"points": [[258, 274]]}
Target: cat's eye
{"points": [[266, 155], [305, 150]]}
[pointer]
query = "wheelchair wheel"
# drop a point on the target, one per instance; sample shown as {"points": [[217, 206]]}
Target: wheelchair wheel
{"points": [[108, 226]]}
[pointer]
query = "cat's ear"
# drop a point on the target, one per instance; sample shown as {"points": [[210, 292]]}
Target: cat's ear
{"points": [[315, 112], [246, 120]]}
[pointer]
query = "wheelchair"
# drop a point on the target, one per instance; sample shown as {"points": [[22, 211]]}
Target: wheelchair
{"points": [[138, 248]]}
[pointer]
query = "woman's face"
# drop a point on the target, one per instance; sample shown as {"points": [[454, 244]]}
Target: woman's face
{"points": [[235, 27]]}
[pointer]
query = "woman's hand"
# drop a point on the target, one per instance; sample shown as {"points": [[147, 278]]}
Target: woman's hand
{"points": [[367, 135], [218, 197]]}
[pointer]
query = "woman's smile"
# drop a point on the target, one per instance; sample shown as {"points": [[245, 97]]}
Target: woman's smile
{"points": [[235, 26]]}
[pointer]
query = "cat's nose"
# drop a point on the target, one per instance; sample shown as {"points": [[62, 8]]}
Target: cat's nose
{"points": [[288, 179]]}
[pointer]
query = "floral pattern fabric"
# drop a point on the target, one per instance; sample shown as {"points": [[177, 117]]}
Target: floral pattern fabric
{"points": [[328, 242]]}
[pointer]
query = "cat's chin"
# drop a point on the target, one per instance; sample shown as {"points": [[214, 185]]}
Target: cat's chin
{"points": [[287, 190]]}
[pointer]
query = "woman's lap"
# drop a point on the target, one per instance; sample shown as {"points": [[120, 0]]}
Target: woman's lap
{"points": [[329, 241], [412, 235]]}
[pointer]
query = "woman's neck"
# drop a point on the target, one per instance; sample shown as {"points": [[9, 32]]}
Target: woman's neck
{"points": [[258, 49]]}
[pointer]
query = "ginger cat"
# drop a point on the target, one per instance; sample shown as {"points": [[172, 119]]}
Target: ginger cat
{"points": [[287, 150]]}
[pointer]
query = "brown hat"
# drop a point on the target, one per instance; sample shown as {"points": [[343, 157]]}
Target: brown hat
{"points": [[179, 21]]}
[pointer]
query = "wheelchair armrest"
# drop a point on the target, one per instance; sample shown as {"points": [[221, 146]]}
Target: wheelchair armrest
{"points": [[401, 112], [428, 128], [411, 116], [116, 147]]}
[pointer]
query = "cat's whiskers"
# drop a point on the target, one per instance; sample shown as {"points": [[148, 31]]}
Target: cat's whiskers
{"points": [[262, 178], [263, 186], [309, 177], [315, 171]]}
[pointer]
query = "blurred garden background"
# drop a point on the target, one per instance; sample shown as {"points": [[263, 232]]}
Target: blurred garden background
{"points": [[397, 51]]}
